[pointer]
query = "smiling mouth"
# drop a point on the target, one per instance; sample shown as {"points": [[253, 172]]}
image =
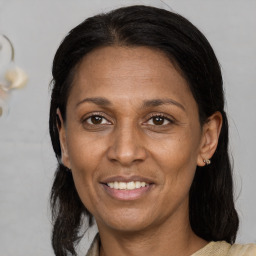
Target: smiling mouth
{"points": [[131, 185], [120, 188]]}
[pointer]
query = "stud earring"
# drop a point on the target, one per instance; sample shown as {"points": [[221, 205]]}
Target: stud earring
{"points": [[207, 161]]}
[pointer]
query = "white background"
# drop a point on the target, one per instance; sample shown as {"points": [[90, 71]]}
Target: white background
{"points": [[27, 161]]}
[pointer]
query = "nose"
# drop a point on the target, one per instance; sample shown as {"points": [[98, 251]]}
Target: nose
{"points": [[127, 147]]}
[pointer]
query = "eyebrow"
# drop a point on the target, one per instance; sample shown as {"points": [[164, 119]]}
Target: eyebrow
{"points": [[159, 102], [100, 101]]}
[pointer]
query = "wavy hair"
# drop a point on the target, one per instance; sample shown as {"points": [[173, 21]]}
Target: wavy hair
{"points": [[211, 205]]}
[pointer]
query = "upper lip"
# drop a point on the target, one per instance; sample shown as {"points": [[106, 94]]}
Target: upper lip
{"points": [[126, 179]]}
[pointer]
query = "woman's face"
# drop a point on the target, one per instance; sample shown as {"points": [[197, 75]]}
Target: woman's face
{"points": [[132, 138]]}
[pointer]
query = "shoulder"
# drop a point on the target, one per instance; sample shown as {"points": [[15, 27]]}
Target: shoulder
{"points": [[242, 250], [223, 248]]}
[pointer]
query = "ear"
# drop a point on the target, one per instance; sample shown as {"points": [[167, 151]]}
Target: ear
{"points": [[210, 137], [63, 142]]}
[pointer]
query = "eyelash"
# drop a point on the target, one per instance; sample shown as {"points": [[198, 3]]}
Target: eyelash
{"points": [[101, 115], [98, 114], [165, 117]]}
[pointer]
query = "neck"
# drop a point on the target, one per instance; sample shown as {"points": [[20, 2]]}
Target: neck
{"points": [[172, 239]]}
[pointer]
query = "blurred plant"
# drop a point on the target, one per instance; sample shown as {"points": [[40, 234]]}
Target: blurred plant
{"points": [[11, 76]]}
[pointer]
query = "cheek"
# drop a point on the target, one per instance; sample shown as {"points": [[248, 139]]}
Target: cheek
{"points": [[84, 151], [85, 156], [177, 150], [177, 158]]}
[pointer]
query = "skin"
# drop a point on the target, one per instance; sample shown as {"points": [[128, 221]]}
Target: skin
{"points": [[127, 139]]}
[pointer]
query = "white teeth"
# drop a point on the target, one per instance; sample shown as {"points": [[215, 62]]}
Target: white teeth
{"points": [[116, 185], [127, 185], [137, 184], [122, 185], [111, 185], [130, 185]]}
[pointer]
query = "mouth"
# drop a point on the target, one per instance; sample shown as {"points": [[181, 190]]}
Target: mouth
{"points": [[127, 185], [127, 189]]}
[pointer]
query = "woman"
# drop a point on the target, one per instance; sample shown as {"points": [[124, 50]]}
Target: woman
{"points": [[138, 126]]}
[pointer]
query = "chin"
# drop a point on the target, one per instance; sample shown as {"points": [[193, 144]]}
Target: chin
{"points": [[125, 221]]}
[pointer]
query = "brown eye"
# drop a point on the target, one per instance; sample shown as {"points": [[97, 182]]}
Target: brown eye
{"points": [[158, 120], [96, 120]]}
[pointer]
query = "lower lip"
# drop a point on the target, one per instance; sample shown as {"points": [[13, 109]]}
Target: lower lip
{"points": [[125, 194]]}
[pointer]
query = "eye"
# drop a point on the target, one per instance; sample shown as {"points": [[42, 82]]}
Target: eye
{"points": [[159, 120], [96, 120]]}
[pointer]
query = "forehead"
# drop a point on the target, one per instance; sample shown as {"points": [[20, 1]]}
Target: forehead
{"points": [[141, 62], [123, 72]]}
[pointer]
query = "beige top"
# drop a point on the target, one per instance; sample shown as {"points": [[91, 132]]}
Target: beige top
{"points": [[212, 249]]}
